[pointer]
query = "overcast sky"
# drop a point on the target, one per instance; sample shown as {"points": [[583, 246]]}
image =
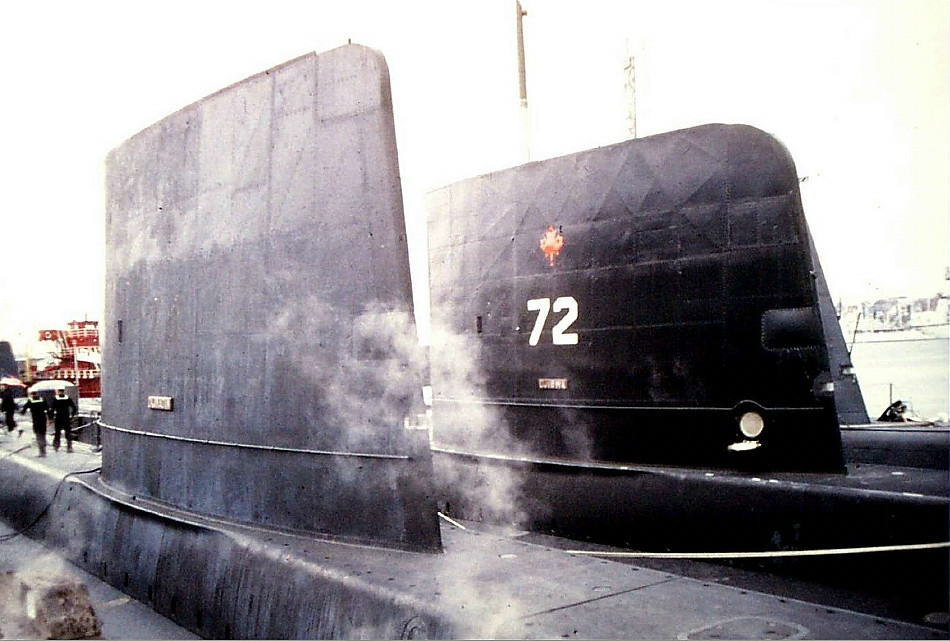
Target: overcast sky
{"points": [[857, 90]]}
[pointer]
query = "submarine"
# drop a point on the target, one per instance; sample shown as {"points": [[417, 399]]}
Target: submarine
{"points": [[263, 473], [636, 345], [655, 301]]}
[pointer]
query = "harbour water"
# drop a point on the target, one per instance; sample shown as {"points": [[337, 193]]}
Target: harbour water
{"points": [[913, 367]]}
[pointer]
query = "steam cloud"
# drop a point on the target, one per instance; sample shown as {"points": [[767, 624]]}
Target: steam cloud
{"points": [[364, 379], [497, 491]]}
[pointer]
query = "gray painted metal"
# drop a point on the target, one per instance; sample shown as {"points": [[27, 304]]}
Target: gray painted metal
{"points": [[258, 276]]}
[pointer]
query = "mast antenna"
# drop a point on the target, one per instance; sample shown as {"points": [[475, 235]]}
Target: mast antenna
{"points": [[520, 13]]}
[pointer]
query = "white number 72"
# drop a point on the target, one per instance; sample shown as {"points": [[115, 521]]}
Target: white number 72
{"points": [[559, 333]]}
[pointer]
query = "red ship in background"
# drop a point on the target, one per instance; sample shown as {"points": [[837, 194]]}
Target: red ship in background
{"points": [[77, 356]]}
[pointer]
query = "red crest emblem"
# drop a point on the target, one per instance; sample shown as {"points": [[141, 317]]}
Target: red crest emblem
{"points": [[551, 243]]}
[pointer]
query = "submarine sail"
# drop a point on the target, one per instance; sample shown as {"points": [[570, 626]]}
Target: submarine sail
{"points": [[655, 301], [262, 354]]}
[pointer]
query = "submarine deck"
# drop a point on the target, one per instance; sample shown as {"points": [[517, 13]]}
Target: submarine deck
{"points": [[491, 584], [900, 481]]}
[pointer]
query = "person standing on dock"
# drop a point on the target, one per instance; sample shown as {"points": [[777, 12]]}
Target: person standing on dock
{"points": [[8, 407], [63, 411], [39, 409]]}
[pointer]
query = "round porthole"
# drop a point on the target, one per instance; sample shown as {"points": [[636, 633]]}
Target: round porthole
{"points": [[751, 424]]}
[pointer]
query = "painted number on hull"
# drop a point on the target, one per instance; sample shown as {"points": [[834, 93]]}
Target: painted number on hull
{"points": [[559, 333]]}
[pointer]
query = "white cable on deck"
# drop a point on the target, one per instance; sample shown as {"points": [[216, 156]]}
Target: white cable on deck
{"points": [[760, 555], [452, 521]]}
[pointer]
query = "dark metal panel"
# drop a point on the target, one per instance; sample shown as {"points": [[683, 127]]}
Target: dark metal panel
{"points": [[8, 364], [258, 263], [670, 250]]}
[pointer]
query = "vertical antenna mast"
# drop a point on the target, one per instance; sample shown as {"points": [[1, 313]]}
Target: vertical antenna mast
{"points": [[520, 13], [630, 89]]}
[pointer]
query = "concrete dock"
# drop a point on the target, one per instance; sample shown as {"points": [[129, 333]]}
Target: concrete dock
{"points": [[121, 616]]}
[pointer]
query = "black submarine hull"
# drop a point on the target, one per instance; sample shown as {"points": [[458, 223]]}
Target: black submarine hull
{"points": [[636, 345], [877, 530], [664, 508]]}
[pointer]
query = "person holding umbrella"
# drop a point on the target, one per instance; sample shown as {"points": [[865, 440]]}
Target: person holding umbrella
{"points": [[63, 411], [39, 409]]}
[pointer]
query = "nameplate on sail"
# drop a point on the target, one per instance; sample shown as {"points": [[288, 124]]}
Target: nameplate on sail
{"points": [[164, 403]]}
